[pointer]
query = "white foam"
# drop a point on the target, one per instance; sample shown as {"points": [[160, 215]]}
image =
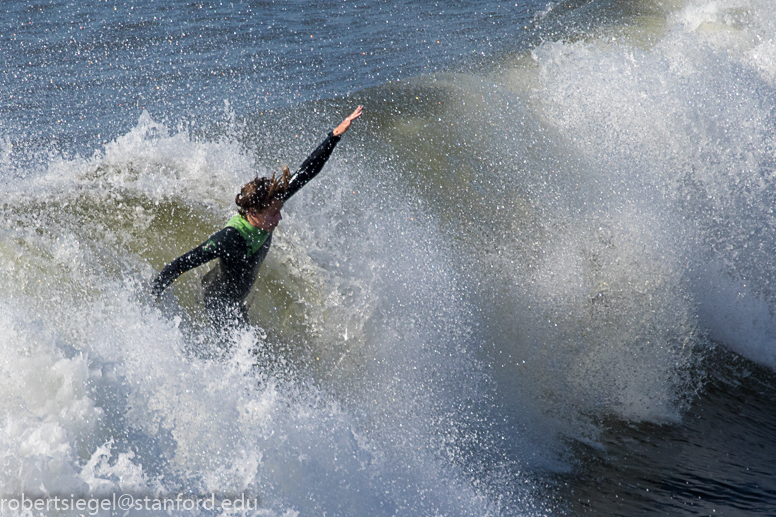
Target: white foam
{"points": [[643, 164], [46, 407], [742, 27], [135, 410], [682, 132]]}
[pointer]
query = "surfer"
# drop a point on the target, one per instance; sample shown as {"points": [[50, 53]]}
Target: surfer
{"points": [[245, 241]]}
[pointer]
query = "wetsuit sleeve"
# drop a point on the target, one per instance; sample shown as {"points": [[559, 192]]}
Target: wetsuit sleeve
{"points": [[312, 165], [205, 252]]}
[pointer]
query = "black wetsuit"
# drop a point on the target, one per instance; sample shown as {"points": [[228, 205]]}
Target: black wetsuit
{"points": [[241, 249]]}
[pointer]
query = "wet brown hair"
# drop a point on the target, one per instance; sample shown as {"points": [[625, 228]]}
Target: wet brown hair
{"points": [[260, 192]]}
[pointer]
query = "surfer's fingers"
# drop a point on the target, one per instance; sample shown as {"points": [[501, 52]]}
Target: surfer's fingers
{"points": [[357, 113], [345, 124]]}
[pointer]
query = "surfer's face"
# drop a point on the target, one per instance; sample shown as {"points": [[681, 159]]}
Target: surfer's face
{"points": [[268, 218]]}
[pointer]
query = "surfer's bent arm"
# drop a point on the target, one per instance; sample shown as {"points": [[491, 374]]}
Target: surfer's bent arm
{"points": [[202, 254], [315, 162]]}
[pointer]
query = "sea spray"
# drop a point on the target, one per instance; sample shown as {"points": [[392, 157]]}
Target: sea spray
{"points": [[345, 405]]}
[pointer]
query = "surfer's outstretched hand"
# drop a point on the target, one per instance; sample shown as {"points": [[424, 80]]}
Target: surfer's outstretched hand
{"points": [[345, 124]]}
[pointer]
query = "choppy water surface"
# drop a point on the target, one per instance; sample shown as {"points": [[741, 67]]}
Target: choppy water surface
{"points": [[533, 279]]}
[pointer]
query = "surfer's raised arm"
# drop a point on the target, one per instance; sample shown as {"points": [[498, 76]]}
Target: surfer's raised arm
{"points": [[315, 162]]}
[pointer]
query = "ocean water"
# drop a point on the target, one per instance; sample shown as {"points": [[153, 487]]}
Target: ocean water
{"points": [[533, 279]]}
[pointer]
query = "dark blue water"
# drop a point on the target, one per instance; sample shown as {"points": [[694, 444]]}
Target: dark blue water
{"points": [[83, 71]]}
